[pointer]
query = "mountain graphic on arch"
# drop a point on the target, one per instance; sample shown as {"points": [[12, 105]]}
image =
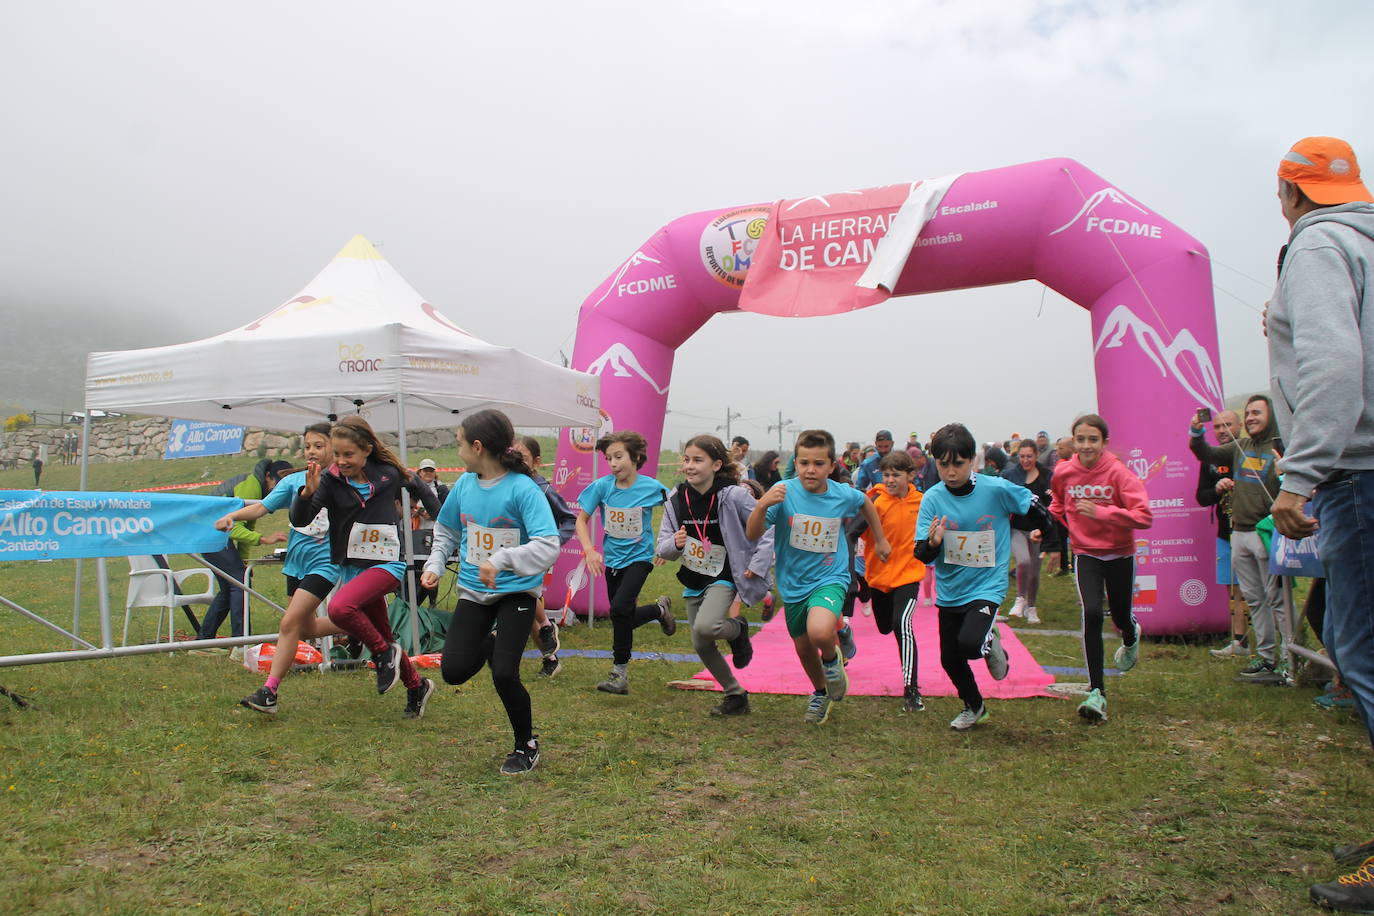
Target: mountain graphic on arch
{"points": [[1176, 359], [623, 363]]}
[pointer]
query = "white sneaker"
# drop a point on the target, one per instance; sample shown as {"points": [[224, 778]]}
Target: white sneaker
{"points": [[998, 663], [1018, 608], [1032, 615]]}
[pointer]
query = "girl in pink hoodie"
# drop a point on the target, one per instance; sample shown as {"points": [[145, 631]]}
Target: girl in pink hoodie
{"points": [[1101, 501]]}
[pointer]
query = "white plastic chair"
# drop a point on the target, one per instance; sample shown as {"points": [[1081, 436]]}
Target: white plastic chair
{"points": [[152, 585]]}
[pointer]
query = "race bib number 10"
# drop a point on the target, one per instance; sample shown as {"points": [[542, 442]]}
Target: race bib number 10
{"points": [[817, 535], [626, 524], [483, 542], [970, 548], [374, 542]]}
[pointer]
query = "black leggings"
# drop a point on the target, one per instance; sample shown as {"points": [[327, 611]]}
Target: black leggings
{"points": [[1115, 578], [965, 632], [467, 648], [893, 612], [622, 587]]}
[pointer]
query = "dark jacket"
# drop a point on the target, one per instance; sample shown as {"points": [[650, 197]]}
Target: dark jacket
{"points": [[347, 506], [1209, 475], [1254, 466]]}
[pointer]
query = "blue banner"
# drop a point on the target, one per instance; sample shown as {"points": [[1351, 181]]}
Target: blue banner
{"points": [[1295, 558], [53, 525], [193, 439]]}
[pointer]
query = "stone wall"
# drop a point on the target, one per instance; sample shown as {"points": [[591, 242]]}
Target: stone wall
{"points": [[138, 438]]}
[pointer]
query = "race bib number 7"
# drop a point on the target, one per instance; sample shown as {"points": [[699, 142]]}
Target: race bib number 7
{"points": [[374, 542], [626, 524], [817, 535], [483, 542], [970, 548]]}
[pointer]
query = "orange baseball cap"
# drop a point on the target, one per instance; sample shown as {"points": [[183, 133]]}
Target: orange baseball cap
{"points": [[1326, 170]]}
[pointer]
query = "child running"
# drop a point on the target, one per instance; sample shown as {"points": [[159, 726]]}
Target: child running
{"points": [[626, 499], [361, 490], [1101, 501], [965, 527], [895, 582], [813, 561], [703, 524], [544, 631], [310, 573], [500, 523]]}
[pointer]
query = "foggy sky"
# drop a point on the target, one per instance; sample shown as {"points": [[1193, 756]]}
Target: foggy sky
{"points": [[194, 167]]}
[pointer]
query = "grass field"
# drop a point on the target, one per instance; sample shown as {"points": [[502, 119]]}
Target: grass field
{"points": [[138, 786]]}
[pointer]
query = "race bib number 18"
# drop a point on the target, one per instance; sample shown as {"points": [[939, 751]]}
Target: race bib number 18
{"points": [[817, 535], [374, 542], [970, 548]]}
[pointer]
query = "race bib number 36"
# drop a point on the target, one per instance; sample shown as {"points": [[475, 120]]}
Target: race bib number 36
{"points": [[374, 542], [817, 535], [700, 558], [626, 524], [970, 548], [483, 542]]}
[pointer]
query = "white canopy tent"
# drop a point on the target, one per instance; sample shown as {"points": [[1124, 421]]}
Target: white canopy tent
{"points": [[357, 339], [353, 340]]}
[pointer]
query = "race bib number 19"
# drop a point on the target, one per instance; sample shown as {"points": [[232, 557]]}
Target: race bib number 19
{"points": [[374, 542], [817, 535], [483, 542], [626, 524], [970, 548]]}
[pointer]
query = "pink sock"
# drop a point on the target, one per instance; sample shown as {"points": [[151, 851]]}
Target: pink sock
{"points": [[272, 683]]}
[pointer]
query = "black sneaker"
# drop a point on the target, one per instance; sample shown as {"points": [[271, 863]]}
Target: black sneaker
{"points": [[911, 700], [550, 667], [521, 760], [666, 620], [1352, 893], [548, 639], [741, 648], [734, 704], [262, 699], [1353, 855], [417, 697], [1260, 672], [388, 664]]}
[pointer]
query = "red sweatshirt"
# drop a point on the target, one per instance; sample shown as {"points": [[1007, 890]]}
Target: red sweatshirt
{"points": [[1122, 505]]}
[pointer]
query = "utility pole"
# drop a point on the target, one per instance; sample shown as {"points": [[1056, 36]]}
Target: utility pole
{"points": [[779, 427], [729, 415]]}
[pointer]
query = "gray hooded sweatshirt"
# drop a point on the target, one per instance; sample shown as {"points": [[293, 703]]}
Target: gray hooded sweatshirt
{"points": [[1321, 346]]}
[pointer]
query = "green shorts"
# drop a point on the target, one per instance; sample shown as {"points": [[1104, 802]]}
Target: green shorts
{"points": [[831, 597]]}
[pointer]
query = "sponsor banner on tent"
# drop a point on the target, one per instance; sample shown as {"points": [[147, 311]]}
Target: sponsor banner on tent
{"points": [[195, 439], [54, 525]]}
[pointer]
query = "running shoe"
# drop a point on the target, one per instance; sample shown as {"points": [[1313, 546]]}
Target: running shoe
{"points": [[911, 700], [1094, 706], [836, 681], [1260, 672], [968, 718], [848, 648], [998, 663], [666, 620], [550, 667], [616, 682], [262, 699], [769, 607], [1340, 698], [388, 663], [1032, 615], [734, 704], [548, 640], [417, 697], [1126, 656], [741, 647], [1234, 650], [1352, 893], [521, 760], [817, 709], [1353, 855], [1018, 608]]}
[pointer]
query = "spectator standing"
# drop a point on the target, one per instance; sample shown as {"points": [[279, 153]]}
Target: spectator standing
{"points": [[868, 475], [1214, 485]]}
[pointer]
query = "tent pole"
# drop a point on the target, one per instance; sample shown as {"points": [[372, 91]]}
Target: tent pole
{"points": [[85, 463], [407, 545]]}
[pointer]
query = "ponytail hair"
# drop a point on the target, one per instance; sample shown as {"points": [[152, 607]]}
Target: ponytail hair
{"points": [[728, 473], [358, 431], [493, 429]]}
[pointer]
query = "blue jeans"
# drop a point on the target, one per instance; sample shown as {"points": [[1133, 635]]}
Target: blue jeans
{"points": [[1345, 542], [229, 598]]}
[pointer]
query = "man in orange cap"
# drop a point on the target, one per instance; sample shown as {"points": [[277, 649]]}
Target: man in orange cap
{"points": [[1321, 362]]}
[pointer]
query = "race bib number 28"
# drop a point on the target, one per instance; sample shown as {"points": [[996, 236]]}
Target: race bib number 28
{"points": [[626, 524]]}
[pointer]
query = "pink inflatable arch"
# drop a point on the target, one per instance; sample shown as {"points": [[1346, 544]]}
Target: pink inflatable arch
{"points": [[1146, 283]]}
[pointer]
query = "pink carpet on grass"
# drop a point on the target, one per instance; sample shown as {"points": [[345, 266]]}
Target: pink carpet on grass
{"points": [[876, 671]]}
